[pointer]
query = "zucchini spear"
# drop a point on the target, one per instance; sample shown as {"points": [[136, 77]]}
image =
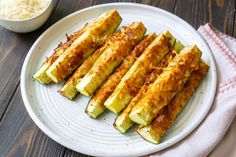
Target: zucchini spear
{"points": [[96, 106], [135, 77], [68, 89], [84, 46], [112, 56], [123, 122], [155, 131], [169, 82], [40, 75]]}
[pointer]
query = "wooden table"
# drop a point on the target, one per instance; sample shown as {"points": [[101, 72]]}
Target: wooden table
{"points": [[19, 136]]}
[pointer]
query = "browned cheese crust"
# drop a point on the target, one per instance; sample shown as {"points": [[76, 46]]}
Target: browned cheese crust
{"points": [[107, 87]]}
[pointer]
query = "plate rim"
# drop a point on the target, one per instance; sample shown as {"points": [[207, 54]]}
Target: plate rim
{"points": [[64, 143]]}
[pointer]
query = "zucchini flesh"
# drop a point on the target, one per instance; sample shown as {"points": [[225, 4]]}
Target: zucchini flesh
{"points": [[84, 46], [96, 106], [135, 77], [169, 82], [156, 130], [40, 75], [111, 58]]}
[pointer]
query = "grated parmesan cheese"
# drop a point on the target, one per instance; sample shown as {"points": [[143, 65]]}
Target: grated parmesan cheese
{"points": [[22, 9]]}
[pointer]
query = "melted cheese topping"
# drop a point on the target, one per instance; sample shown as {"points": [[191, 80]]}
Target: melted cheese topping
{"points": [[22, 9]]}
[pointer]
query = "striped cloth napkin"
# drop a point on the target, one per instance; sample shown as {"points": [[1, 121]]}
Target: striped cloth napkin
{"points": [[216, 135]]}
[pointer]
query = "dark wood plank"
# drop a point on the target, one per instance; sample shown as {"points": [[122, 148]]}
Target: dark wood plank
{"points": [[97, 2], [168, 5], [66, 7], [71, 153], [234, 34], [218, 12], [222, 13], [13, 49], [19, 136], [195, 12]]}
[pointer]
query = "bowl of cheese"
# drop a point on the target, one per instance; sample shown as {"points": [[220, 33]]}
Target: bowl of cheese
{"points": [[24, 15]]}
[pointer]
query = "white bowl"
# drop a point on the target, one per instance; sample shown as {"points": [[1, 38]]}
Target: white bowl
{"points": [[24, 26]]}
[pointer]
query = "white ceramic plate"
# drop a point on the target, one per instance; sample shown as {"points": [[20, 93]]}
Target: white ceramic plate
{"points": [[65, 121]]}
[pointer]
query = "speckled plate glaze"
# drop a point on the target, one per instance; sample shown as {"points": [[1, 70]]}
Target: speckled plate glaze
{"points": [[66, 122]]}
